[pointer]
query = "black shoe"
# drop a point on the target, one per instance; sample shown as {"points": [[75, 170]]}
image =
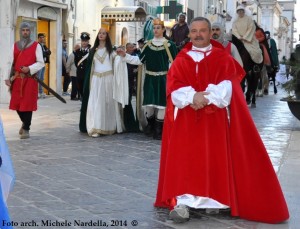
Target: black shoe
{"points": [[266, 92], [148, 130], [256, 68], [158, 128], [75, 99]]}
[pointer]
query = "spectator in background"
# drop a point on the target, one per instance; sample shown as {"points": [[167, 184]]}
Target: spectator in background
{"points": [[130, 121], [141, 43], [180, 31], [287, 66], [66, 76], [46, 56], [81, 56], [274, 64], [71, 70]]}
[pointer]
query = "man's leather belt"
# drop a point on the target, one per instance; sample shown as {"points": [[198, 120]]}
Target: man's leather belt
{"points": [[21, 74], [101, 74], [156, 73]]}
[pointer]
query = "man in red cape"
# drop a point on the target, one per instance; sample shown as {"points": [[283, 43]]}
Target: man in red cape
{"points": [[212, 156]]}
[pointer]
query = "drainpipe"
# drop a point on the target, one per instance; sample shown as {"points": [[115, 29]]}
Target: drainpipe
{"points": [[74, 23], [15, 6], [136, 24]]}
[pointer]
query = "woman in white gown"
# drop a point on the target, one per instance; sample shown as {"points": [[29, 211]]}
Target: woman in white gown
{"points": [[105, 89]]}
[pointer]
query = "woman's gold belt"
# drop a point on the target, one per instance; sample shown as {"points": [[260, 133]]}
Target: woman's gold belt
{"points": [[101, 74]]}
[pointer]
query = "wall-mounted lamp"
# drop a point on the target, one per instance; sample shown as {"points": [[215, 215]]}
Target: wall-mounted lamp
{"points": [[211, 9]]}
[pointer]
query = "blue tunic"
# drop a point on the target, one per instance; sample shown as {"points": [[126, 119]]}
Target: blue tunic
{"points": [[4, 217], [7, 178]]}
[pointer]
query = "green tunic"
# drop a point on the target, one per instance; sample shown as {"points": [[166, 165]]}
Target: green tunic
{"points": [[157, 62]]}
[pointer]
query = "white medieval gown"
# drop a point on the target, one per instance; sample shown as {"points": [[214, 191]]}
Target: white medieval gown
{"points": [[108, 92]]}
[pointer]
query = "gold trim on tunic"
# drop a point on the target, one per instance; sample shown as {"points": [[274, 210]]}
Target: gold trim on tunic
{"points": [[156, 73], [101, 58], [101, 74], [157, 48]]}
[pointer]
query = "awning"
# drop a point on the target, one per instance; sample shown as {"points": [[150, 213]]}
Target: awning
{"points": [[125, 13], [50, 3]]}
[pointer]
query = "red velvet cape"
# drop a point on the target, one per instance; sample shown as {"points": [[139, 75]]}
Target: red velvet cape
{"points": [[204, 154]]}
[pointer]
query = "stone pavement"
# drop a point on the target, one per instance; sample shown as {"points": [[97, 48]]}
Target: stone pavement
{"points": [[65, 178]]}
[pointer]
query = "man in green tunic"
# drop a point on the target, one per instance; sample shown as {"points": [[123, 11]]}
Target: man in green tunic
{"points": [[156, 55]]}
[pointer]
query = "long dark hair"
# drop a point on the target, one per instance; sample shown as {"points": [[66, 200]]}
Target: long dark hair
{"points": [[108, 44]]}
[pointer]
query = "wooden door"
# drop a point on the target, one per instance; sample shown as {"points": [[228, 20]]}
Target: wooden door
{"points": [[43, 27]]}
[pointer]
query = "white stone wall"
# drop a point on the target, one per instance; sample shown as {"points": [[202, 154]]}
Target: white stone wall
{"points": [[197, 6], [87, 18], [8, 9], [231, 10]]}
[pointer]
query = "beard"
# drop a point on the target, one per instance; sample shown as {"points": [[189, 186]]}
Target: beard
{"points": [[25, 36], [215, 36]]}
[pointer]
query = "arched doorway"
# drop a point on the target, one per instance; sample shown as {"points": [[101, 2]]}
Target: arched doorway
{"points": [[111, 15]]}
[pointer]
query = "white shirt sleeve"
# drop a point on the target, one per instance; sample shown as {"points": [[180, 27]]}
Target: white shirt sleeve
{"points": [[220, 94], [135, 60], [183, 97], [39, 64]]}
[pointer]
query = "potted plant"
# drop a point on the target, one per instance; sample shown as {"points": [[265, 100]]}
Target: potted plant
{"points": [[292, 86]]}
